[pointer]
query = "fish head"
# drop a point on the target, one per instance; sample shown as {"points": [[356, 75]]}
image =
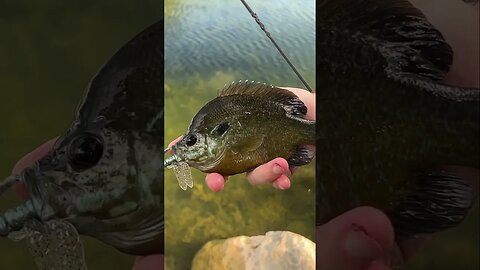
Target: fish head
{"points": [[87, 173], [204, 145], [105, 174]]}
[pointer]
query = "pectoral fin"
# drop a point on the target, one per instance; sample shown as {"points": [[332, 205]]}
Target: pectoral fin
{"points": [[249, 143]]}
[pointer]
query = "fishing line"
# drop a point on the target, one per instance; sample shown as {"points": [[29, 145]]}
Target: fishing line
{"points": [[257, 19]]}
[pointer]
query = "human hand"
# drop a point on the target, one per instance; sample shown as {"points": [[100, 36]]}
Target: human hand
{"points": [[152, 262], [360, 239], [276, 171], [363, 238]]}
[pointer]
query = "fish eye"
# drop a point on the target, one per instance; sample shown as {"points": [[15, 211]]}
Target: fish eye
{"points": [[222, 128], [191, 140], [85, 151]]}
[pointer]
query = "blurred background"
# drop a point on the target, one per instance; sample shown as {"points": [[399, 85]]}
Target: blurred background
{"points": [[209, 44], [49, 51]]}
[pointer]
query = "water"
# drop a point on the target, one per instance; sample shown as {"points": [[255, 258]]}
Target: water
{"points": [[209, 44]]}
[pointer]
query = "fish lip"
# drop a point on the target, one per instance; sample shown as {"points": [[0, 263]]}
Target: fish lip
{"points": [[178, 157], [36, 186], [173, 159]]}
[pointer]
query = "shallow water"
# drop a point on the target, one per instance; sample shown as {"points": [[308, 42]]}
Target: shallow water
{"points": [[209, 44]]}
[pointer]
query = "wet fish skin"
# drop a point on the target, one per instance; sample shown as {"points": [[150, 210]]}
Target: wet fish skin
{"points": [[104, 175], [388, 123], [247, 125]]}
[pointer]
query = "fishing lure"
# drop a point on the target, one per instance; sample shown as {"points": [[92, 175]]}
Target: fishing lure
{"points": [[247, 139], [104, 177]]}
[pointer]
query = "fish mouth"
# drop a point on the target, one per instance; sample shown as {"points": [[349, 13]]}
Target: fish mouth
{"points": [[172, 160], [176, 158], [43, 192], [36, 207]]}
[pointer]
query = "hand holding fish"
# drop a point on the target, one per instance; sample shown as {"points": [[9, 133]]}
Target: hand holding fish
{"points": [[276, 171]]}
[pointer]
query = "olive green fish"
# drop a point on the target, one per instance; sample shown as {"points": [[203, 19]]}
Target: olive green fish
{"points": [[387, 122], [247, 125]]}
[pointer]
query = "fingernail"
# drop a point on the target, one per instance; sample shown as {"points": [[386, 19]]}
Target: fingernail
{"points": [[285, 185], [281, 187], [275, 185], [277, 169], [359, 245]]}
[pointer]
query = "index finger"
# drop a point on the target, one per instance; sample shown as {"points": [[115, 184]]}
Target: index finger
{"points": [[28, 160], [172, 143]]}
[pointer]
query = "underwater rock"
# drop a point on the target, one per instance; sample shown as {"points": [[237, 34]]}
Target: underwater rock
{"points": [[275, 250]]}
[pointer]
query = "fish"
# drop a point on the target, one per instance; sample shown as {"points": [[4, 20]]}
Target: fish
{"points": [[240, 130], [104, 175], [389, 124]]}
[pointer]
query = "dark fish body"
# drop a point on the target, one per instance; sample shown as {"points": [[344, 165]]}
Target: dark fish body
{"points": [[247, 125], [388, 123], [104, 175]]}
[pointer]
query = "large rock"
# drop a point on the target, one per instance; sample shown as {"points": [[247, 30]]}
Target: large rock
{"points": [[275, 250]]}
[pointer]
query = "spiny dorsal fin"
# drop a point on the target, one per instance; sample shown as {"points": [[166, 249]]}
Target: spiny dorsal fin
{"points": [[288, 100]]}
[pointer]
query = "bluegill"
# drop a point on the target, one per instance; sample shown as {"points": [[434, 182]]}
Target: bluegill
{"points": [[247, 125], [104, 175], [388, 122]]}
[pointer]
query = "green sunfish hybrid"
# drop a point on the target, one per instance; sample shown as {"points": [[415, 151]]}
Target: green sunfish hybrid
{"points": [[247, 125]]}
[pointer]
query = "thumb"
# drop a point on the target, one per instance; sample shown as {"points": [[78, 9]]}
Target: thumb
{"points": [[355, 240]]}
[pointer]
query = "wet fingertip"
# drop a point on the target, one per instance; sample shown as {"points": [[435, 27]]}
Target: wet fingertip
{"points": [[149, 262], [277, 169], [359, 244], [282, 183], [172, 143], [218, 188], [377, 265], [275, 185], [215, 182], [281, 162]]}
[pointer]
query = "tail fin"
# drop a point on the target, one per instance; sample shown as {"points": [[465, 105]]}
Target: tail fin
{"points": [[439, 201]]}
